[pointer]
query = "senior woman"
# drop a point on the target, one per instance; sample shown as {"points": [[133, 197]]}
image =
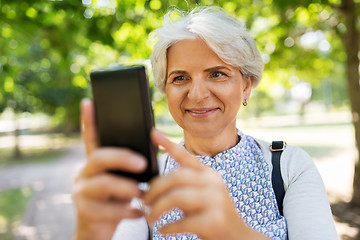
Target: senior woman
{"points": [[217, 182]]}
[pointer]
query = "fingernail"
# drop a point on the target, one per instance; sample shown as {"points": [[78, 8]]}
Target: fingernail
{"points": [[138, 161], [158, 133], [85, 101], [158, 137]]}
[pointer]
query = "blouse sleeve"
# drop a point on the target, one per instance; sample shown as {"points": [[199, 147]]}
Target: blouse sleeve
{"points": [[306, 205], [132, 229]]}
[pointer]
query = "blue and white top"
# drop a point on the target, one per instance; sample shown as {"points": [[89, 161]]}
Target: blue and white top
{"points": [[248, 178]]}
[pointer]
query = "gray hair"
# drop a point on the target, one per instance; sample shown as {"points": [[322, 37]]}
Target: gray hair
{"points": [[223, 33]]}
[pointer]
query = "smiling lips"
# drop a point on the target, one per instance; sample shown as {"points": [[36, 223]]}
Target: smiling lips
{"points": [[201, 112]]}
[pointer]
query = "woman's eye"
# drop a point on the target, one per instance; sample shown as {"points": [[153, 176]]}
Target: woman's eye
{"points": [[217, 74], [178, 79]]}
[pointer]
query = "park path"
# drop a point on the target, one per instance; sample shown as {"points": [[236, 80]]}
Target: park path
{"points": [[50, 213]]}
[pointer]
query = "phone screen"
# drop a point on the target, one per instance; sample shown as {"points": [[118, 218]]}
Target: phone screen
{"points": [[123, 113]]}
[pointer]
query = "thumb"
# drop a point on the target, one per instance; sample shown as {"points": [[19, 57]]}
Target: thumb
{"points": [[88, 125], [184, 158]]}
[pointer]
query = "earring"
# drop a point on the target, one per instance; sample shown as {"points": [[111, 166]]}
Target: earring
{"points": [[245, 103]]}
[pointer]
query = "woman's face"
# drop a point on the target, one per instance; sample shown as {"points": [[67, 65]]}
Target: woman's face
{"points": [[204, 94]]}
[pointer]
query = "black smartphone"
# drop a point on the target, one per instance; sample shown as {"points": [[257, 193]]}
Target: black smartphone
{"points": [[124, 115]]}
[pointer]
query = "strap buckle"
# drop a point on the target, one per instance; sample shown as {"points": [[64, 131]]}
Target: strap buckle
{"points": [[278, 146]]}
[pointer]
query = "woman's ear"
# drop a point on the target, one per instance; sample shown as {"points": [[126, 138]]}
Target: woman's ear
{"points": [[247, 88]]}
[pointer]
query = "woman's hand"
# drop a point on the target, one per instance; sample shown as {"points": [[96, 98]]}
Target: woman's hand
{"points": [[103, 199], [200, 193]]}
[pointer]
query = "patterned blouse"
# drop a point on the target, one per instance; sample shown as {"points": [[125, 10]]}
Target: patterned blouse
{"points": [[248, 178]]}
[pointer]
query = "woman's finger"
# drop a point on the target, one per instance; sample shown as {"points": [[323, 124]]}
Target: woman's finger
{"points": [[88, 125], [182, 198], [183, 177], [108, 186], [184, 158], [103, 159], [107, 211]]}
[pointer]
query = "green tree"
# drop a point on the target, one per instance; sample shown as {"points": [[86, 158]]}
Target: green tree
{"points": [[340, 20], [36, 59]]}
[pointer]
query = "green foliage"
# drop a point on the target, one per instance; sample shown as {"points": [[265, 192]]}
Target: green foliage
{"points": [[12, 206], [48, 48]]}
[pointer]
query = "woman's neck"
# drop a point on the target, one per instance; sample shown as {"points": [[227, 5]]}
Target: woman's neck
{"points": [[208, 145]]}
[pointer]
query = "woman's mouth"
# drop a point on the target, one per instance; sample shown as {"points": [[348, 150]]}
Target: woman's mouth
{"points": [[201, 112]]}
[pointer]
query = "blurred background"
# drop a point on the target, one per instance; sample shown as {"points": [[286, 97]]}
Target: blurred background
{"points": [[309, 95]]}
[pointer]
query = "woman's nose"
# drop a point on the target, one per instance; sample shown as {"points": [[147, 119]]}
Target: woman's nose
{"points": [[198, 90]]}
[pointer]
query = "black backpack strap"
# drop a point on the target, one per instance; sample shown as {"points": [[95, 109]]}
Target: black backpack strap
{"points": [[276, 148], [150, 236]]}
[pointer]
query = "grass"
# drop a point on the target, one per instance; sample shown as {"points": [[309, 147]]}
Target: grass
{"points": [[12, 207]]}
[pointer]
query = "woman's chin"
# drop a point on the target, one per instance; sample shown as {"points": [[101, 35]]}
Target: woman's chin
{"points": [[202, 130]]}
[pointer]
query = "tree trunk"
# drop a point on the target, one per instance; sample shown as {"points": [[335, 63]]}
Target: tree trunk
{"points": [[351, 42], [17, 152], [68, 126]]}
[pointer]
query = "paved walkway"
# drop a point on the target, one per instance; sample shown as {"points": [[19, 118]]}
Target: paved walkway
{"points": [[50, 212]]}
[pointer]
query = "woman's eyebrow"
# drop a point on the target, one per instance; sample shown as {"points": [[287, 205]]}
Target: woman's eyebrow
{"points": [[217, 68], [212, 69], [176, 72]]}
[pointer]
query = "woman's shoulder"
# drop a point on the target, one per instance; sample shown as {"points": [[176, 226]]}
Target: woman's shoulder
{"points": [[294, 161], [291, 152], [306, 206]]}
